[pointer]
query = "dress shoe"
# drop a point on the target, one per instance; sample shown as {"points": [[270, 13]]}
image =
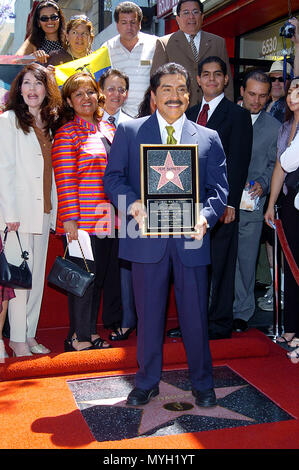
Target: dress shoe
{"points": [[205, 398], [214, 335], [119, 335], [240, 325], [174, 332], [139, 397]]}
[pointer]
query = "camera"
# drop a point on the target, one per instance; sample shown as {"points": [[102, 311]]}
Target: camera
{"points": [[287, 30]]}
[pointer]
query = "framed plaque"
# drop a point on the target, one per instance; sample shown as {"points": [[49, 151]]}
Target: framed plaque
{"points": [[169, 189]]}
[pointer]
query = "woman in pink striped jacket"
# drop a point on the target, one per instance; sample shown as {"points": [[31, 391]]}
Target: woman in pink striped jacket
{"points": [[79, 160]]}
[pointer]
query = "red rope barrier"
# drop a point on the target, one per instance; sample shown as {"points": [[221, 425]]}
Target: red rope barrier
{"points": [[286, 250]]}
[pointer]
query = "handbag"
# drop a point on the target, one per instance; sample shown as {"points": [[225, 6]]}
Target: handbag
{"points": [[69, 276], [16, 277]]}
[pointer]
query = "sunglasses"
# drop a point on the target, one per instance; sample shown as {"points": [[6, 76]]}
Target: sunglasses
{"points": [[81, 17], [46, 18], [273, 79]]}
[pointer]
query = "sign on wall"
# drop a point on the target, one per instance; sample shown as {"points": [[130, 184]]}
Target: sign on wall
{"points": [[165, 6], [265, 44]]}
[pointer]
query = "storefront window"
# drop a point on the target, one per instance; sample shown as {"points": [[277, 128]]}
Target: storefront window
{"points": [[266, 44]]}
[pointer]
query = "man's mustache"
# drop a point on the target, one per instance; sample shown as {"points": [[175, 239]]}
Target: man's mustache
{"points": [[174, 102]]}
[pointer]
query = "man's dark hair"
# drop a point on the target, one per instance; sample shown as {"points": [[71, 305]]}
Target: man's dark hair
{"points": [[169, 69], [259, 76], [110, 72], [180, 3], [211, 59], [127, 7]]}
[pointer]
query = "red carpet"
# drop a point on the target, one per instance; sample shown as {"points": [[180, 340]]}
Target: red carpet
{"points": [[250, 344], [38, 410]]}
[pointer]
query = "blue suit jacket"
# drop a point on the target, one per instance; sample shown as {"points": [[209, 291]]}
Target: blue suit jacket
{"points": [[122, 177]]}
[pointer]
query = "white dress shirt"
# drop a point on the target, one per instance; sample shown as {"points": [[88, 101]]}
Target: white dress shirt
{"points": [[136, 64], [177, 125], [289, 159], [212, 104], [196, 39], [119, 116]]}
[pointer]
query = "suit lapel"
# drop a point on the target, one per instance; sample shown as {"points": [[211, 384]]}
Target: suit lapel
{"points": [[183, 44], [218, 115], [150, 131], [189, 133], [205, 44]]}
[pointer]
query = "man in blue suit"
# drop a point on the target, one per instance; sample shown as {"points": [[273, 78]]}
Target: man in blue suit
{"points": [[154, 258]]}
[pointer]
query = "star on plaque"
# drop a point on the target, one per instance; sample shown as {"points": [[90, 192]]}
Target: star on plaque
{"points": [[169, 172]]}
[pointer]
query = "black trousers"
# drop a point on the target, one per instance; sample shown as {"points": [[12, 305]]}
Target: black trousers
{"points": [[84, 311], [290, 223], [224, 250]]}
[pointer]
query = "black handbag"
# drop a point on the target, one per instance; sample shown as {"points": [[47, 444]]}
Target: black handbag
{"points": [[16, 277], [69, 276]]}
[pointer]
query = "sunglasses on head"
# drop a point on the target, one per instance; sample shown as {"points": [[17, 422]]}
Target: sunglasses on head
{"points": [[273, 79], [81, 17], [46, 18]]}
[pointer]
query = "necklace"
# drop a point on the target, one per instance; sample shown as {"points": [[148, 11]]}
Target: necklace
{"points": [[73, 57]]}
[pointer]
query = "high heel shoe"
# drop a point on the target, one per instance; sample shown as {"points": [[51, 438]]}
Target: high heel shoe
{"points": [[293, 354], [18, 350], [68, 346], [120, 336], [99, 343], [3, 353]]}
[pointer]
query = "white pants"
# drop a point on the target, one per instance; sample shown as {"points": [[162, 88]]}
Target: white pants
{"points": [[24, 309]]}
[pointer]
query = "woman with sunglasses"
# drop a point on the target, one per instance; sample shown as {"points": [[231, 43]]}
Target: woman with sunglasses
{"points": [[79, 38], [47, 32], [27, 192]]}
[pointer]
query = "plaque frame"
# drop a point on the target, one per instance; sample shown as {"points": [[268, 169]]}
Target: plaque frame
{"points": [[186, 198]]}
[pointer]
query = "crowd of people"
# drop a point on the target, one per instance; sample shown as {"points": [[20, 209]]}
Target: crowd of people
{"points": [[68, 155]]}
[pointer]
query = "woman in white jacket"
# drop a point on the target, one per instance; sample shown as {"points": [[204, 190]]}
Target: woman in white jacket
{"points": [[27, 199]]}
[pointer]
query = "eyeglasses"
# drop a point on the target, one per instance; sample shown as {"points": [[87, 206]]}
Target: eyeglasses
{"points": [[112, 89], [186, 13], [81, 17], [46, 18], [273, 79], [83, 35]]}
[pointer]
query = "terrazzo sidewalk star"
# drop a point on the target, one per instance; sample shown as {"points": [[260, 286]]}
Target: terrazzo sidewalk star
{"points": [[102, 403]]}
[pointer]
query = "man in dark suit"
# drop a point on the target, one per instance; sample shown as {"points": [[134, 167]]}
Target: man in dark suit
{"points": [[190, 45], [154, 258], [234, 127]]}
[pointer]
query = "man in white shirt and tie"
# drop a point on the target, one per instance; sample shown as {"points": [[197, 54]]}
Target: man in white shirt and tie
{"points": [[154, 258], [114, 84]]}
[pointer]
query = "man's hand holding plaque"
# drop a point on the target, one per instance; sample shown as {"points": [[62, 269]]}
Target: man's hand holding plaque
{"points": [[201, 228], [138, 212]]}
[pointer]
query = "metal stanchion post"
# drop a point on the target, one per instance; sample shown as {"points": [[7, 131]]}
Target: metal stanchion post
{"points": [[277, 318]]}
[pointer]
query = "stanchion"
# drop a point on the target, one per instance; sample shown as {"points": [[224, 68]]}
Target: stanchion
{"points": [[277, 317]]}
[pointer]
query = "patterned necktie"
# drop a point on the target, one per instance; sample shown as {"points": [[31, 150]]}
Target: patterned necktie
{"points": [[203, 115], [194, 48], [111, 119], [170, 138]]}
